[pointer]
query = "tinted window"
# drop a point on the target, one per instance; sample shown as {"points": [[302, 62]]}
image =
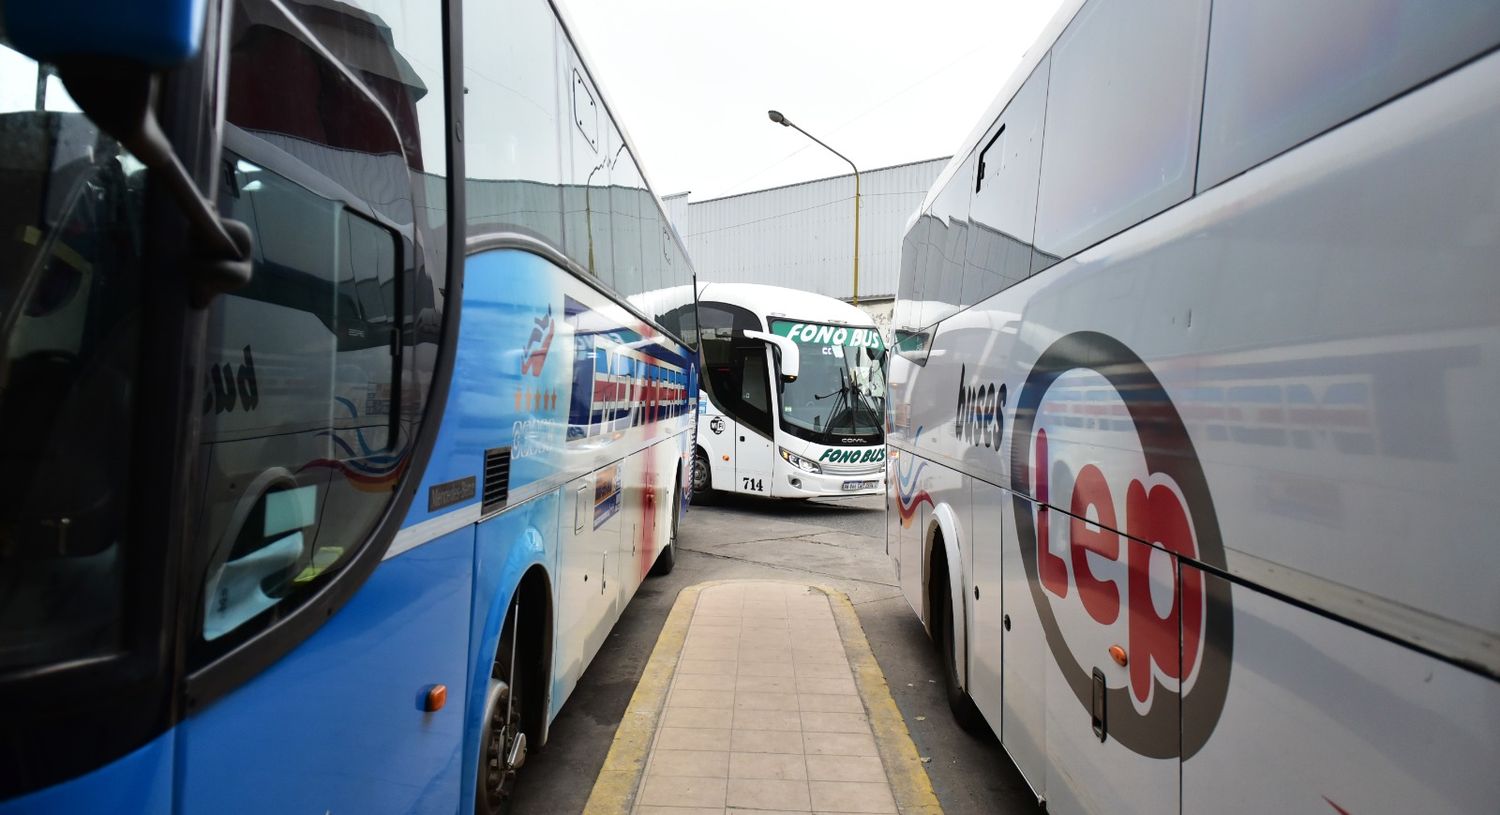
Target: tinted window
{"points": [[735, 369], [1122, 119], [71, 279], [675, 305], [304, 435], [395, 49], [1002, 212], [1282, 71], [947, 244], [906, 314], [909, 292], [586, 196], [653, 247], [625, 195], [511, 134]]}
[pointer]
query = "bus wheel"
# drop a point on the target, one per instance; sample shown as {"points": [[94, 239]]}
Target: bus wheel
{"points": [[959, 702], [667, 560], [503, 743], [703, 480]]}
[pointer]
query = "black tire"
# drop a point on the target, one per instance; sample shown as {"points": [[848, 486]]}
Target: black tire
{"points": [[702, 476], [965, 712], [667, 560], [503, 724]]}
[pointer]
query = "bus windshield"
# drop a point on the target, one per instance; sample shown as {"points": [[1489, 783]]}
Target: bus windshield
{"points": [[70, 269], [840, 392]]}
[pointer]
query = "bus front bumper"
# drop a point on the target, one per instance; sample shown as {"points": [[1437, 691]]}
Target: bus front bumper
{"points": [[799, 484]]}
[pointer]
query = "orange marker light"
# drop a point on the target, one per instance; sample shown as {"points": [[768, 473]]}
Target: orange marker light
{"points": [[437, 696], [726, 458], [1118, 655]]}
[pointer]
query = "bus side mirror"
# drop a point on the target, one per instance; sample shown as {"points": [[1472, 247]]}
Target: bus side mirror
{"points": [[109, 55], [791, 356]]}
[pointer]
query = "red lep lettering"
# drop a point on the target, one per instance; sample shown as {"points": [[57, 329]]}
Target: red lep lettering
{"points": [[1052, 569], [1101, 598], [1158, 517]]}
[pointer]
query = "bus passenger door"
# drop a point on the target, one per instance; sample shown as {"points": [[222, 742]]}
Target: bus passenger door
{"points": [[753, 453]]}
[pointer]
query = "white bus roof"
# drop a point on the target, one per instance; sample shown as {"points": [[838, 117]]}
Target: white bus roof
{"points": [[776, 301]]}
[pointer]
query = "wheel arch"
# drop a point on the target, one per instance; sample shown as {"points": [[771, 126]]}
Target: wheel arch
{"points": [[942, 548], [534, 647], [533, 591]]}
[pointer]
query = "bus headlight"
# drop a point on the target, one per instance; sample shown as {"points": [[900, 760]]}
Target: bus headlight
{"points": [[799, 462]]}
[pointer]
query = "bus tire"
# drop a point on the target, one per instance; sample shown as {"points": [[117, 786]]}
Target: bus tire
{"points": [[702, 475], [667, 560], [965, 712], [504, 705]]}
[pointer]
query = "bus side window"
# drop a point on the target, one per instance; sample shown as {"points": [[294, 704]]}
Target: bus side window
{"points": [[71, 272], [303, 442], [1332, 61], [1123, 101], [755, 390], [735, 372], [299, 396], [1003, 211]]}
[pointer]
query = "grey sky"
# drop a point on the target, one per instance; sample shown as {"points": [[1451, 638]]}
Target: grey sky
{"points": [[883, 82]]}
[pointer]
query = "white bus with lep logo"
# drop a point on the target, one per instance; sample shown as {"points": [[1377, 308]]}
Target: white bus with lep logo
{"points": [[1196, 353], [793, 394]]}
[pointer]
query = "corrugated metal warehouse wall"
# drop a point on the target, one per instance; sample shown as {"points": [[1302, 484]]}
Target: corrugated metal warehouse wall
{"points": [[802, 235]]}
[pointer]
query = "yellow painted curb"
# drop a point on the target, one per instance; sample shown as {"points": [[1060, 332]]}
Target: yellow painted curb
{"points": [[614, 789], [910, 785]]}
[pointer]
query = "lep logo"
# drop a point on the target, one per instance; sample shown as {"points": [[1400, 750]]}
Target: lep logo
{"points": [[1096, 438]]}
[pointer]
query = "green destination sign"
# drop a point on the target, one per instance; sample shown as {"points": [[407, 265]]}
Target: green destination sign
{"points": [[818, 334]]}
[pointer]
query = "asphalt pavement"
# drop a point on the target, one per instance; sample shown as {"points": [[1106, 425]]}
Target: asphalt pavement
{"points": [[839, 543]]}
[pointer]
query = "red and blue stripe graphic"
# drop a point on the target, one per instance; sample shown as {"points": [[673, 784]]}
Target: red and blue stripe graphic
{"points": [[621, 378]]}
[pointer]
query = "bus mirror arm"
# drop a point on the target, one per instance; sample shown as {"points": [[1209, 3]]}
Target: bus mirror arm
{"points": [[118, 96], [791, 356]]}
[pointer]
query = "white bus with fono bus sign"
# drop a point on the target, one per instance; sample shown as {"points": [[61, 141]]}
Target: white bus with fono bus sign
{"points": [[1195, 360], [793, 402]]}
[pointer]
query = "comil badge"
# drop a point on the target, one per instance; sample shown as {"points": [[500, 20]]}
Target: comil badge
{"points": [[1097, 439]]}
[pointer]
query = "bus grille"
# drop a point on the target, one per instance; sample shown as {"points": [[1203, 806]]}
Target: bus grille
{"points": [[861, 468], [496, 479]]}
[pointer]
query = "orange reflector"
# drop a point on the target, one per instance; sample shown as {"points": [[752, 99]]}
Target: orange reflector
{"points": [[726, 458], [437, 696], [1118, 655]]}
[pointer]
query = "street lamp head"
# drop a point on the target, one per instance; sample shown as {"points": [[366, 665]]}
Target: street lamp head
{"points": [[778, 118]]}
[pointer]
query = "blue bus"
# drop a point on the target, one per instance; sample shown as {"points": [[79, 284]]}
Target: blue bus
{"points": [[347, 387]]}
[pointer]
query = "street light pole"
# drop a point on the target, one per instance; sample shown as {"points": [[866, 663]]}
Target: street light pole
{"points": [[785, 122]]}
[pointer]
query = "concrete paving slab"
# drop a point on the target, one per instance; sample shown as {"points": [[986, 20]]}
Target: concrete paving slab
{"points": [[752, 742]]}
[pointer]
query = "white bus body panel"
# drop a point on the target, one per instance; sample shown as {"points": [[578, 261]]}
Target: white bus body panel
{"points": [[1319, 711], [1327, 326]]}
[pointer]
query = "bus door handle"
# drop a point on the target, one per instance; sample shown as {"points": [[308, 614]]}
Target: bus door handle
{"points": [[1096, 709], [742, 438]]}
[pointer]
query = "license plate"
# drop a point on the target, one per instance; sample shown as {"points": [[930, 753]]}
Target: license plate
{"points": [[851, 486]]}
